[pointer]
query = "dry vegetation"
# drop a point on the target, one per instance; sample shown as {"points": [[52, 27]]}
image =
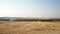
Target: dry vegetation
{"points": [[7, 27]]}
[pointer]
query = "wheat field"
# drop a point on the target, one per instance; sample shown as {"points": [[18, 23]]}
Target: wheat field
{"points": [[10, 27]]}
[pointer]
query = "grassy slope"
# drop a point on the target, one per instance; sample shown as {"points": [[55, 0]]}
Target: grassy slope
{"points": [[29, 27]]}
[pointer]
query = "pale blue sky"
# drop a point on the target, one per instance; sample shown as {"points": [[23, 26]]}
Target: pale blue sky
{"points": [[30, 8]]}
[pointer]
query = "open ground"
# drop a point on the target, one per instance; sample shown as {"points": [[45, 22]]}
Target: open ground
{"points": [[10, 27]]}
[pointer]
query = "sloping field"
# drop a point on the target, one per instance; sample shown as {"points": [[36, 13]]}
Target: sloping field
{"points": [[7, 27]]}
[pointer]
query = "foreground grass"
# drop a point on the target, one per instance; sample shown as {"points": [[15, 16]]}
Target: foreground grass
{"points": [[7, 27]]}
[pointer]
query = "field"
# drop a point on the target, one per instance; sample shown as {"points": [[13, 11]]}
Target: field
{"points": [[10, 27]]}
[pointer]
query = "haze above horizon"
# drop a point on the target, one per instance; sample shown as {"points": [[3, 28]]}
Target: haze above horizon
{"points": [[30, 8]]}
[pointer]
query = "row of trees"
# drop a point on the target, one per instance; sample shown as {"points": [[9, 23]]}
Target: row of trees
{"points": [[30, 20]]}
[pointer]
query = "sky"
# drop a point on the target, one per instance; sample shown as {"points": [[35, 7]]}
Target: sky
{"points": [[30, 8]]}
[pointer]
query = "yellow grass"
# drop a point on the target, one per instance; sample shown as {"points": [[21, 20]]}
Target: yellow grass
{"points": [[7, 27]]}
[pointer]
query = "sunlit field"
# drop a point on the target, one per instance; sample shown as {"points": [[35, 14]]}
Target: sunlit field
{"points": [[11, 27]]}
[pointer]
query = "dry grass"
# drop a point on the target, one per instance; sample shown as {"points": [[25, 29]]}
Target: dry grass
{"points": [[7, 27]]}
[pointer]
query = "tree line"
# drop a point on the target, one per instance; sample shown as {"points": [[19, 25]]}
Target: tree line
{"points": [[43, 20]]}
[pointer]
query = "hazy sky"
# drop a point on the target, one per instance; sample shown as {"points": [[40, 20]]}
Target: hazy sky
{"points": [[30, 8]]}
